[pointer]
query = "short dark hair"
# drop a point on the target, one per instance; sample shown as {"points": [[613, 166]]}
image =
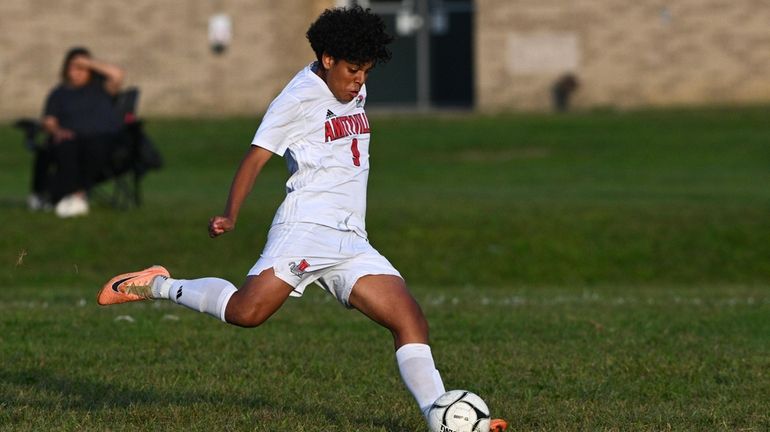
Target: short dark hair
{"points": [[71, 54], [352, 34]]}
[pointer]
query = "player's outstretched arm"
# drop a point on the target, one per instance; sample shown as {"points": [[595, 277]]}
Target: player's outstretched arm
{"points": [[247, 173]]}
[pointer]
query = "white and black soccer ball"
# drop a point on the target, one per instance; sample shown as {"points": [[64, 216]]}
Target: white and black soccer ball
{"points": [[459, 411]]}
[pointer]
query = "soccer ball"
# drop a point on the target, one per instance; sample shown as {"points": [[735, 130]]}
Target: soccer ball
{"points": [[459, 411]]}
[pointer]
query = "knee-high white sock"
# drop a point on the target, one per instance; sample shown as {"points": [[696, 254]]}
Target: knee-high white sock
{"points": [[207, 295], [415, 362]]}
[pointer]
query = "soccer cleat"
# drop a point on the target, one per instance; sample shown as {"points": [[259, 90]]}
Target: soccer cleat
{"points": [[129, 287], [497, 425]]}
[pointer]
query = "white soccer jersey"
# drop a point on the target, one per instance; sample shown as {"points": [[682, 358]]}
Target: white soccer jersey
{"points": [[326, 147]]}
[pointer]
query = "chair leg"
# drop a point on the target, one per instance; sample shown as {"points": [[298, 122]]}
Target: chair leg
{"points": [[137, 189]]}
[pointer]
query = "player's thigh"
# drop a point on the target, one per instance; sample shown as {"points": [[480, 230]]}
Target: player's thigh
{"points": [[386, 300], [257, 299]]}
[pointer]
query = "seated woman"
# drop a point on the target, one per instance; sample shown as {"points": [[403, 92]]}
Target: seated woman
{"points": [[85, 129]]}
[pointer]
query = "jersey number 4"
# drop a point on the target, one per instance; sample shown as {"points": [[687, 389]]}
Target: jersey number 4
{"points": [[356, 153]]}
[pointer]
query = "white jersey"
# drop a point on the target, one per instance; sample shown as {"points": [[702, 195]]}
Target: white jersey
{"points": [[326, 147]]}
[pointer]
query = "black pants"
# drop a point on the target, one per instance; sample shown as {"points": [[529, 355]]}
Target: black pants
{"points": [[60, 169]]}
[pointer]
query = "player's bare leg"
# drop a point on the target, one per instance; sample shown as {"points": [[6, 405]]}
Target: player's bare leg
{"points": [[257, 299], [386, 300]]}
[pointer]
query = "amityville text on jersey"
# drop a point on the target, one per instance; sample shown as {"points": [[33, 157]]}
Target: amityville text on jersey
{"points": [[340, 127]]}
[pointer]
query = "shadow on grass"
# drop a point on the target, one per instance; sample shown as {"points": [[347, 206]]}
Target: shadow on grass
{"points": [[55, 392], [13, 203]]}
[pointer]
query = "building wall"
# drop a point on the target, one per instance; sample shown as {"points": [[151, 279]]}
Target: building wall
{"points": [[624, 54], [163, 47]]}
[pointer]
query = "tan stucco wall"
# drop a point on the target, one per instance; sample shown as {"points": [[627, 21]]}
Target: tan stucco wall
{"points": [[625, 53], [163, 47]]}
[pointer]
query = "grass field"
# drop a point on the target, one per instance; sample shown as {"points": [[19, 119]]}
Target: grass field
{"points": [[596, 271]]}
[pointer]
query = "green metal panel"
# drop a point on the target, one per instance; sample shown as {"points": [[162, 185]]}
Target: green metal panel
{"points": [[395, 83]]}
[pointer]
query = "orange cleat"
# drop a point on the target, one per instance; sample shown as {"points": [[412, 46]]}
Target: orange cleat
{"points": [[129, 287], [498, 425]]}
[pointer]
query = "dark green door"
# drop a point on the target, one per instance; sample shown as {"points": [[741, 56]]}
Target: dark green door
{"points": [[432, 65]]}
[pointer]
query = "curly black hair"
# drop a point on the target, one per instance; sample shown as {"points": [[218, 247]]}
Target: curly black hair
{"points": [[352, 34]]}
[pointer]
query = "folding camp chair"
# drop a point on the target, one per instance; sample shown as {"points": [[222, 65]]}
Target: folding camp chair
{"points": [[127, 165]]}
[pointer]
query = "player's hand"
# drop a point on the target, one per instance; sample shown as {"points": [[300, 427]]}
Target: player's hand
{"points": [[219, 225]]}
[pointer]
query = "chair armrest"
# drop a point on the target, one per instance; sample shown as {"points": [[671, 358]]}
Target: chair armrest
{"points": [[31, 129]]}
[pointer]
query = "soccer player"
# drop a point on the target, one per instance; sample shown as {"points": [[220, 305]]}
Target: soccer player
{"points": [[318, 124]]}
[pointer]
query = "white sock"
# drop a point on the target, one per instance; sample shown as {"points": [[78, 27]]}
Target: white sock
{"points": [[415, 362], [160, 287], [207, 295]]}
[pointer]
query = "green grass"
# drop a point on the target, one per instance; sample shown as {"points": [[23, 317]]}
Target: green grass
{"points": [[596, 271]]}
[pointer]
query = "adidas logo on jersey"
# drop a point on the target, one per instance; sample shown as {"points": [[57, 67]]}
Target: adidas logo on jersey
{"points": [[330, 114]]}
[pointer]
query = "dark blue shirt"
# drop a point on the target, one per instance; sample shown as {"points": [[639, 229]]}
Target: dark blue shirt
{"points": [[87, 110]]}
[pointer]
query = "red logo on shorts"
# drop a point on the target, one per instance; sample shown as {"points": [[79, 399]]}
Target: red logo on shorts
{"points": [[299, 269]]}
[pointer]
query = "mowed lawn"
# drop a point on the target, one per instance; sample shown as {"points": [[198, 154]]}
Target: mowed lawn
{"points": [[593, 271]]}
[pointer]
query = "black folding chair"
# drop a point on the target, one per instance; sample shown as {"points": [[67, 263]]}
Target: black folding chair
{"points": [[127, 165]]}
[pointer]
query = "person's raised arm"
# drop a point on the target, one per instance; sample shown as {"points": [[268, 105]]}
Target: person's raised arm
{"points": [[247, 173], [112, 74]]}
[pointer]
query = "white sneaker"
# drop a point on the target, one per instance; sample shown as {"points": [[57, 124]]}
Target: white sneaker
{"points": [[72, 206], [36, 203]]}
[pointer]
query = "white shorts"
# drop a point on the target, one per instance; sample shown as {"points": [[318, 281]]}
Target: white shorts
{"points": [[303, 253]]}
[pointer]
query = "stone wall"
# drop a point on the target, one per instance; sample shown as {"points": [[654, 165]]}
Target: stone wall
{"points": [[625, 54], [163, 47]]}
